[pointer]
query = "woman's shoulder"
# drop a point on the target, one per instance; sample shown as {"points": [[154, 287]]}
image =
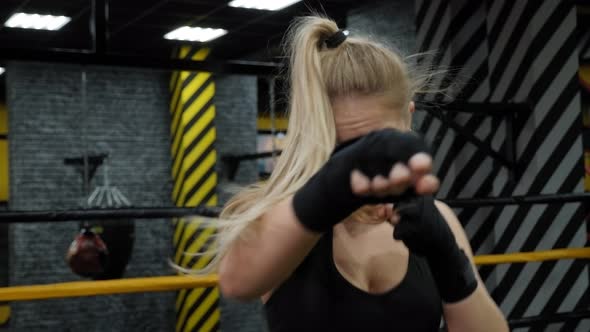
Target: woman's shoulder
{"points": [[455, 226], [304, 274], [449, 215]]}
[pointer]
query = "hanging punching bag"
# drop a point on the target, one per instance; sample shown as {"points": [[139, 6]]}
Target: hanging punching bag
{"points": [[105, 238], [87, 255], [118, 235]]}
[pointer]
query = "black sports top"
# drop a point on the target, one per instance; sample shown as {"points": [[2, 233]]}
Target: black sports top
{"points": [[316, 297]]}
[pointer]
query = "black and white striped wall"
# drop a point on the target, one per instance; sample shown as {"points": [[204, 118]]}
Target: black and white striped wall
{"points": [[505, 51]]}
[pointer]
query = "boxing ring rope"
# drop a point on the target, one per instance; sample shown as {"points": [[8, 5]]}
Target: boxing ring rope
{"points": [[171, 212], [517, 200], [534, 256], [104, 287], [107, 214], [171, 283]]}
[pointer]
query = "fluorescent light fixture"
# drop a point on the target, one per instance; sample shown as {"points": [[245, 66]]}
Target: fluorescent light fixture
{"points": [[36, 21], [195, 34], [2, 70], [263, 4]]}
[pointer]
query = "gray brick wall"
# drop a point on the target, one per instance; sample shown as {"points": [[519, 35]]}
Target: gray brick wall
{"points": [[127, 117], [236, 103]]}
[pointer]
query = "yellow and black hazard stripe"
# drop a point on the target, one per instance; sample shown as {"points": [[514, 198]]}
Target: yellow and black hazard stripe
{"points": [[193, 171], [4, 176], [4, 315], [4, 189]]}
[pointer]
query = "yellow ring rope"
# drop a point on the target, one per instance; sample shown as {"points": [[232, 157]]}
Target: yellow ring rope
{"points": [[169, 283], [534, 256], [103, 287]]}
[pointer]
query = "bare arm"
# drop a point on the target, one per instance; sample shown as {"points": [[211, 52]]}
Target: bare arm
{"points": [[478, 312], [255, 265]]}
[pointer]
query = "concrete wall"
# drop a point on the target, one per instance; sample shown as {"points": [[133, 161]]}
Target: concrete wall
{"points": [[235, 121], [127, 117], [236, 103], [389, 22]]}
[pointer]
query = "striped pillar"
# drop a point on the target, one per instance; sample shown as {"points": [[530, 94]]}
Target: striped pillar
{"points": [[195, 179], [4, 175], [4, 189]]}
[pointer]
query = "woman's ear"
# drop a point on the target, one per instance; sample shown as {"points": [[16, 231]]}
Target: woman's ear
{"points": [[412, 107]]}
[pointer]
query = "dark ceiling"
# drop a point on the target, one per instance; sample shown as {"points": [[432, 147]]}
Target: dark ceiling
{"points": [[138, 26]]}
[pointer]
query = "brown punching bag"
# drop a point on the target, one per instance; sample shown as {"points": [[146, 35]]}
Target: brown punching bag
{"points": [[118, 235], [102, 251], [87, 255]]}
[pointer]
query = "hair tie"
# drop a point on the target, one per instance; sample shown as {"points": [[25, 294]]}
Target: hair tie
{"points": [[336, 39]]}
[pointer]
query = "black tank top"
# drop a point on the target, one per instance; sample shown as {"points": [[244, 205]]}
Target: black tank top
{"points": [[316, 297]]}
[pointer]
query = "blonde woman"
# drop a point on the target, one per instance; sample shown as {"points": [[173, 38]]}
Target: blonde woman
{"points": [[315, 241]]}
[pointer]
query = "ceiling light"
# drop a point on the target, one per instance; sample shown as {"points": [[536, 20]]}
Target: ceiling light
{"points": [[263, 4], [36, 21], [195, 34], [2, 70]]}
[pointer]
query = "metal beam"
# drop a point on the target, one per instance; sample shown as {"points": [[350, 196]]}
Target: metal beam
{"points": [[232, 162], [101, 214], [140, 16], [251, 156], [99, 25], [461, 131], [490, 109], [236, 67], [211, 211], [518, 200], [510, 148], [508, 111]]}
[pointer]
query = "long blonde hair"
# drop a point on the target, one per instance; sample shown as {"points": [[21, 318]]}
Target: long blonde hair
{"points": [[317, 74]]}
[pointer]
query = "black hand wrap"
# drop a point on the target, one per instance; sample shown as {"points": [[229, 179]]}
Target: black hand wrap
{"points": [[425, 232], [327, 198]]}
